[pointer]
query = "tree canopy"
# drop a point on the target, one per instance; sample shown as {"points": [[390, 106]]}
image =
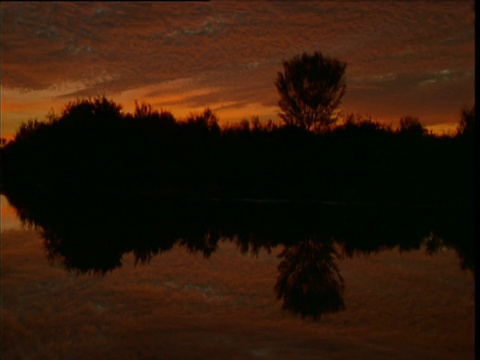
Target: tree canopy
{"points": [[311, 88]]}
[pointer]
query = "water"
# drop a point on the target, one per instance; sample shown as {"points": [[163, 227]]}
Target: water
{"points": [[213, 297]]}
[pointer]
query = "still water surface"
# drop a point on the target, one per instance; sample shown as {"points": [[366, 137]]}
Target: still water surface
{"points": [[181, 304]]}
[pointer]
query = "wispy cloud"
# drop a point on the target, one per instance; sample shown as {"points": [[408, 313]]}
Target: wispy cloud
{"points": [[234, 48]]}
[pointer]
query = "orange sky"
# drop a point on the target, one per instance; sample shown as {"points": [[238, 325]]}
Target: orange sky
{"points": [[403, 58]]}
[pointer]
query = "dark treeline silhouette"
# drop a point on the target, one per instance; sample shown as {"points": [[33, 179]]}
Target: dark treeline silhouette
{"points": [[92, 234], [93, 145]]}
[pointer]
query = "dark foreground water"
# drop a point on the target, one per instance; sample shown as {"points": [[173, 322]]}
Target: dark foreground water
{"points": [[181, 304]]}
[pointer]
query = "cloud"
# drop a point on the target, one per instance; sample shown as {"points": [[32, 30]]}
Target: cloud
{"points": [[234, 48]]}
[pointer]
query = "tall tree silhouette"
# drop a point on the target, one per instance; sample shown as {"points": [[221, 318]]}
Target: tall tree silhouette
{"points": [[310, 88], [466, 126]]}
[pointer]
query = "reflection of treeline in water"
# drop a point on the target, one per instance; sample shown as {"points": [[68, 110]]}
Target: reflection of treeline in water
{"points": [[92, 234], [92, 144]]}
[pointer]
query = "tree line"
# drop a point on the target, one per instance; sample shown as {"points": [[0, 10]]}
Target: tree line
{"points": [[94, 145]]}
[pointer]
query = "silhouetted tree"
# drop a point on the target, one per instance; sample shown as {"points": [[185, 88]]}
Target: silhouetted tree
{"points": [[310, 88], [207, 119], [28, 129], [144, 112], [467, 122], [411, 125], [358, 123], [255, 124], [98, 109]]}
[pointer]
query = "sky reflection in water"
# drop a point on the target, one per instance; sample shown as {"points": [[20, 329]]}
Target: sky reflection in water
{"points": [[181, 304]]}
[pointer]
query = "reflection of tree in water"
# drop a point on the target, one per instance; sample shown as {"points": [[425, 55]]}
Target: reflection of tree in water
{"points": [[310, 282], [76, 252], [93, 235], [204, 242]]}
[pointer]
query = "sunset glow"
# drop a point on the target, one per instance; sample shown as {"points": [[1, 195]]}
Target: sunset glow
{"points": [[402, 58], [237, 180]]}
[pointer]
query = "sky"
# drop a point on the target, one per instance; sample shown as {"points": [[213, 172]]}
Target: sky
{"points": [[403, 58]]}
